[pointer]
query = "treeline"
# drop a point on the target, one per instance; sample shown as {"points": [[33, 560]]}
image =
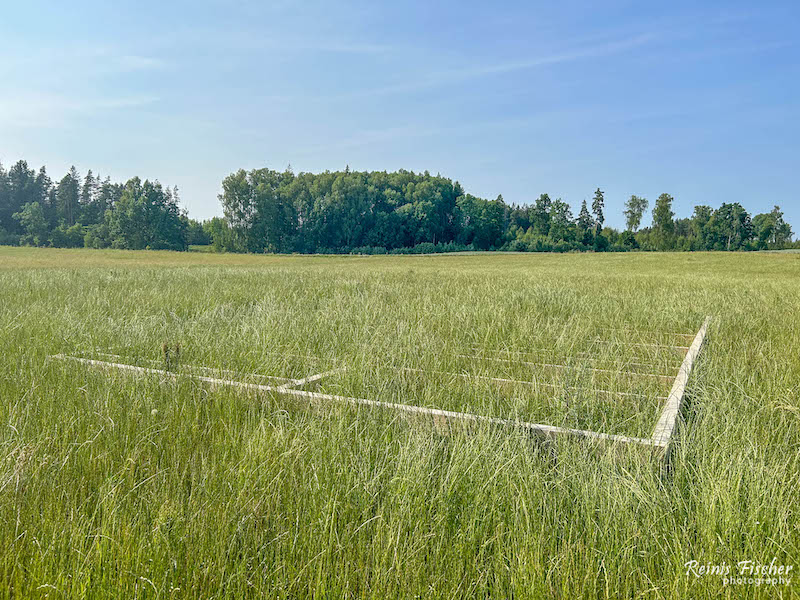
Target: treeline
{"points": [[91, 212], [378, 212], [354, 212]]}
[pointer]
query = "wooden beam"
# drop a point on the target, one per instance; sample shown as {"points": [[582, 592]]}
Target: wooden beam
{"points": [[203, 369], [662, 434], [460, 418], [309, 379], [168, 374]]}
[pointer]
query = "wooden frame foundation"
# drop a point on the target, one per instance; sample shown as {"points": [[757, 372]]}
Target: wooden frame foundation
{"points": [[660, 441]]}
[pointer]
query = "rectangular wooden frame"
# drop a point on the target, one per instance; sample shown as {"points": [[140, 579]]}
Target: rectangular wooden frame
{"points": [[659, 442]]}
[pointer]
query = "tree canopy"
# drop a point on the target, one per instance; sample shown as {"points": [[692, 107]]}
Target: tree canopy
{"points": [[265, 210], [375, 212], [91, 212]]}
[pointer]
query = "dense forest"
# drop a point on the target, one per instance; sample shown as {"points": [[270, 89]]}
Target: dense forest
{"points": [[91, 212], [379, 212], [354, 212]]}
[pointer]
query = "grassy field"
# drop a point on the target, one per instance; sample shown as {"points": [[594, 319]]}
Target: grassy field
{"points": [[123, 486]]}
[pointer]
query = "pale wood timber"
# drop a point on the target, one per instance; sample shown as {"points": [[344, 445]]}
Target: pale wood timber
{"points": [[662, 434]]}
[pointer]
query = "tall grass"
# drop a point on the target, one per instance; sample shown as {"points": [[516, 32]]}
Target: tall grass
{"points": [[119, 486]]}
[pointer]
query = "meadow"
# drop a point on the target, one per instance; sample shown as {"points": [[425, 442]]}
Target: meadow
{"points": [[114, 485]]}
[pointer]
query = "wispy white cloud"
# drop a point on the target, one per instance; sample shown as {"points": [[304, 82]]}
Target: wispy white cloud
{"points": [[589, 52], [459, 75], [741, 48], [49, 87], [45, 110], [380, 137], [279, 42], [73, 60], [311, 44], [133, 62]]}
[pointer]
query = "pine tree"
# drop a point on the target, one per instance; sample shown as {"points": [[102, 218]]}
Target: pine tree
{"points": [[90, 212], [68, 197], [597, 208], [6, 219], [89, 189], [585, 220]]}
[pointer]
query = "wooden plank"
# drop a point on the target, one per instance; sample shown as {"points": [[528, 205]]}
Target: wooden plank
{"points": [[309, 379], [662, 434], [460, 418], [168, 374], [286, 383], [203, 369]]}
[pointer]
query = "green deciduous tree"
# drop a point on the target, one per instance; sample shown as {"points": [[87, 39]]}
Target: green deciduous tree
{"points": [[771, 230], [700, 234], [541, 215], [562, 227], [33, 222], [731, 226], [635, 208], [146, 216], [481, 222], [663, 224]]}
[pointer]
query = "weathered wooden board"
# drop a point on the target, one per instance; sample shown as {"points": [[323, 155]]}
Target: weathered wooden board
{"points": [[662, 434]]}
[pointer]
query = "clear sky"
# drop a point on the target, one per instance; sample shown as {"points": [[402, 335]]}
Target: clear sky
{"points": [[697, 99]]}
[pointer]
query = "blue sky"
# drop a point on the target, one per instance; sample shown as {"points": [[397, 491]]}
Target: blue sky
{"points": [[697, 99]]}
